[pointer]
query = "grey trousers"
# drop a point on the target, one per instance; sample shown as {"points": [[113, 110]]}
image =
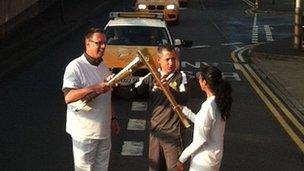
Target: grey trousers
{"points": [[164, 153]]}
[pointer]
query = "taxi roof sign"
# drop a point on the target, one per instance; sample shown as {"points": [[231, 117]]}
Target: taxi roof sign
{"points": [[113, 15]]}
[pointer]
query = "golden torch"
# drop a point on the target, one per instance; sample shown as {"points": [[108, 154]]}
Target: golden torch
{"points": [[128, 70], [164, 87]]}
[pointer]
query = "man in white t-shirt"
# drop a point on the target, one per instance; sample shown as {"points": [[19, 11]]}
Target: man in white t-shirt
{"points": [[90, 129]]}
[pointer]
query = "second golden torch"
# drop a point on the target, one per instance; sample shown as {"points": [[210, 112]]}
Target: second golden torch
{"points": [[138, 61], [151, 67]]}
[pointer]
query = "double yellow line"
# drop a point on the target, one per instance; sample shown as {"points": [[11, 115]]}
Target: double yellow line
{"points": [[258, 86]]}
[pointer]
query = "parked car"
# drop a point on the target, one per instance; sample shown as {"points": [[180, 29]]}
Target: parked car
{"points": [[170, 8], [137, 30]]}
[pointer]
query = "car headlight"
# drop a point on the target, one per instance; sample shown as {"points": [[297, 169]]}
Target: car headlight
{"points": [[170, 7], [142, 6]]}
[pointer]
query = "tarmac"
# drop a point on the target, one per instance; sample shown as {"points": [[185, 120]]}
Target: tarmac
{"points": [[281, 64]]}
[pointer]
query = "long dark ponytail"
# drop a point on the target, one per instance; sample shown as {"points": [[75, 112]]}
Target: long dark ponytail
{"points": [[220, 87]]}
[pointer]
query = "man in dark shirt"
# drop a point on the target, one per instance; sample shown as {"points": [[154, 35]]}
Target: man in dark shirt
{"points": [[165, 144]]}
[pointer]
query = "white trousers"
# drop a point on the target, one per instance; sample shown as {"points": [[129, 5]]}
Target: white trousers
{"points": [[91, 154]]}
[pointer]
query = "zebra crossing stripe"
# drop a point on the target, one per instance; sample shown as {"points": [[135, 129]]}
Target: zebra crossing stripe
{"points": [[268, 33], [132, 148], [136, 124], [139, 106], [255, 34]]}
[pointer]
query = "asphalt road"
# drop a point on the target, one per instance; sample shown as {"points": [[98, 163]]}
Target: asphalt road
{"points": [[33, 111]]}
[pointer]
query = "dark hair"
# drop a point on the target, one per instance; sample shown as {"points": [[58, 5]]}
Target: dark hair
{"points": [[93, 30], [167, 47], [220, 87], [88, 35]]}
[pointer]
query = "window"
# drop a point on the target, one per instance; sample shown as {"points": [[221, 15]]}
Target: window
{"points": [[136, 35]]}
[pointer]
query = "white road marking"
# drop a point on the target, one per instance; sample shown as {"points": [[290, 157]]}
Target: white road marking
{"points": [[255, 20], [255, 34], [136, 124], [268, 33], [241, 58], [199, 46], [197, 64], [139, 106], [132, 148], [249, 3], [232, 43], [255, 30], [232, 75]]}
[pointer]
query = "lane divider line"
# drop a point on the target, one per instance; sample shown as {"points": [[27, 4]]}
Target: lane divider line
{"points": [[255, 30]]}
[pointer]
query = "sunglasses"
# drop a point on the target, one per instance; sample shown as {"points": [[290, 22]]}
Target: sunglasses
{"points": [[98, 43]]}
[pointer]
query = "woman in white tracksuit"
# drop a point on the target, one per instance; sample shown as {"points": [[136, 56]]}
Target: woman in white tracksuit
{"points": [[206, 149]]}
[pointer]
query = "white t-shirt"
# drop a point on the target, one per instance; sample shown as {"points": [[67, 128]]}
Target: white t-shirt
{"points": [[95, 123], [206, 149]]}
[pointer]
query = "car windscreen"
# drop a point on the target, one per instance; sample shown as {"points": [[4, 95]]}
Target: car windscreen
{"points": [[136, 36]]}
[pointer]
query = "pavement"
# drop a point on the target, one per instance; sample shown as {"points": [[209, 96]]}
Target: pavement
{"points": [[283, 68], [281, 65], [269, 6]]}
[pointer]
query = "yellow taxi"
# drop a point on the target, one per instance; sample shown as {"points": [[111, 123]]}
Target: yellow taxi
{"points": [[170, 8], [127, 32]]}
